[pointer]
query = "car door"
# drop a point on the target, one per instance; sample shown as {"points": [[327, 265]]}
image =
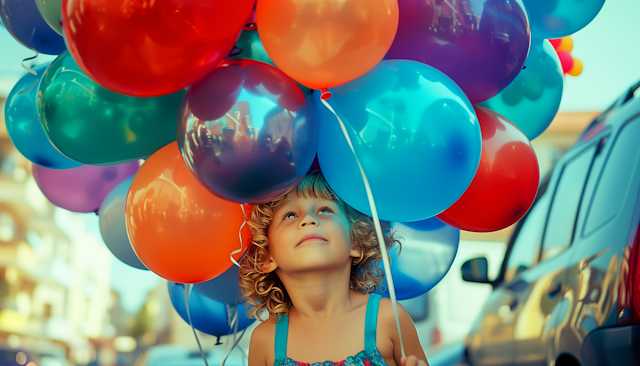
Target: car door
{"points": [[592, 293], [491, 338], [539, 289]]}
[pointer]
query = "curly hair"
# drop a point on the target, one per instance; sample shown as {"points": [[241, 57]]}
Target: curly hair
{"points": [[264, 291]]}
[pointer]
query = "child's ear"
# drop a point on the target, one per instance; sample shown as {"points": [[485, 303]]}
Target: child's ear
{"points": [[355, 251], [270, 265]]}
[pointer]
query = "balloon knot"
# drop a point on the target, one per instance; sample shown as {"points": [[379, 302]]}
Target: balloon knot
{"points": [[250, 26], [325, 95]]}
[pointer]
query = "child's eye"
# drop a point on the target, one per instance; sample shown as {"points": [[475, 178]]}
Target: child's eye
{"points": [[325, 209], [289, 215]]}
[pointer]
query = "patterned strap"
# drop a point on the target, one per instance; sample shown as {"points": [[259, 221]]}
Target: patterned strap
{"points": [[371, 321], [282, 328]]}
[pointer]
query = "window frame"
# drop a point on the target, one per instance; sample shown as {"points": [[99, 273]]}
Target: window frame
{"points": [[583, 232], [594, 142]]}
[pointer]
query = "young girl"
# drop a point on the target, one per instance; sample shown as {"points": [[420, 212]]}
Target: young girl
{"points": [[311, 266]]}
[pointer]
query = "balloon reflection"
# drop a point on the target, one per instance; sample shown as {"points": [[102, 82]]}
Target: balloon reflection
{"points": [[247, 131], [482, 44]]}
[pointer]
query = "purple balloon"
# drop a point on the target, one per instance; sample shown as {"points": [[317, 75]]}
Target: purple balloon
{"points": [[480, 44], [81, 189], [247, 131]]}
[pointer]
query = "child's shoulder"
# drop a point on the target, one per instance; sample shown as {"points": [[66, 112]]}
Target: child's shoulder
{"points": [[262, 343], [386, 314], [264, 334], [387, 319]]}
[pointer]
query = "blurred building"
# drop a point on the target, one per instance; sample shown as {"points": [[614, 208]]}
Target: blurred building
{"points": [[55, 287]]}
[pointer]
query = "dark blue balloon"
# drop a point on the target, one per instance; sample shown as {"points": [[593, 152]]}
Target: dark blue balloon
{"points": [[208, 316], [426, 225], [247, 131], [24, 128], [424, 260], [25, 23], [224, 288]]}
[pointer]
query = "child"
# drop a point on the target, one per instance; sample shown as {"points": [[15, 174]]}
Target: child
{"points": [[311, 266]]}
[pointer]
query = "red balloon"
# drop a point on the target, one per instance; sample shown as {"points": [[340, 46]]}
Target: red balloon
{"points": [[506, 182], [151, 48], [566, 60], [555, 42]]}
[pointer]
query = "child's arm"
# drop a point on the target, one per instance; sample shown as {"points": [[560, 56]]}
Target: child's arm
{"points": [[258, 346], [412, 346]]}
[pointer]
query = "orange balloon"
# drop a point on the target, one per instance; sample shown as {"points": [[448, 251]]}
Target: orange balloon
{"points": [[566, 44], [177, 228], [577, 67], [326, 43]]}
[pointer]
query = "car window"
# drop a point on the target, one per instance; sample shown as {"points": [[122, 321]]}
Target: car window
{"points": [[614, 181], [565, 205], [526, 247]]}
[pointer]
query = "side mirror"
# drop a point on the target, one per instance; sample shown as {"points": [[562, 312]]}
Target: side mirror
{"points": [[476, 270]]}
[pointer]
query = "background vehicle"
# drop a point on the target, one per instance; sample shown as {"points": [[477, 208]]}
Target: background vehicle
{"points": [[568, 292]]}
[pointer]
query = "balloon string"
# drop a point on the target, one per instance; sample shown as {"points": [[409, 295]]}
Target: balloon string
{"points": [[186, 302], [31, 71], [244, 214], [376, 223], [234, 324], [236, 344]]}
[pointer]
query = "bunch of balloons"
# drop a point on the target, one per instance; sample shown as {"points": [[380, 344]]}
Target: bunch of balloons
{"points": [[171, 119], [570, 65]]}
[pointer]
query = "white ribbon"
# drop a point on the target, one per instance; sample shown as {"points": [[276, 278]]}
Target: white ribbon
{"points": [[244, 214], [376, 223]]}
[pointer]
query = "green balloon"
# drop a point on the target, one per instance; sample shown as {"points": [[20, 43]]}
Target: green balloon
{"points": [[250, 47], [50, 11], [93, 125]]}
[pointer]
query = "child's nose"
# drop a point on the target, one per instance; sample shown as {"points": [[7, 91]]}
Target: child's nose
{"points": [[309, 220]]}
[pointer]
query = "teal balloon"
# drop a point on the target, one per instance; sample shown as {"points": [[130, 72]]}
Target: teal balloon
{"points": [[415, 133], [250, 47], [95, 126], [532, 100], [560, 18], [24, 128]]}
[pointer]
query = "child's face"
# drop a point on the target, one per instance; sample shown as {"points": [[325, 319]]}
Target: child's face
{"points": [[309, 234]]}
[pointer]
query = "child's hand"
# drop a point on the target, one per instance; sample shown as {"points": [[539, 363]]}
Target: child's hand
{"points": [[412, 361]]}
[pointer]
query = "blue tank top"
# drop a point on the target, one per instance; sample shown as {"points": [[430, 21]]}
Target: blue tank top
{"points": [[370, 356]]}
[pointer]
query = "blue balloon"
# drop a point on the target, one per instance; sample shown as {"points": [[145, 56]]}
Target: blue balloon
{"points": [[24, 128], [426, 225], [208, 316], [25, 23], [415, 133], [424, 260], [113, 226], [533, 99], [560, 18], [224, 288]]}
